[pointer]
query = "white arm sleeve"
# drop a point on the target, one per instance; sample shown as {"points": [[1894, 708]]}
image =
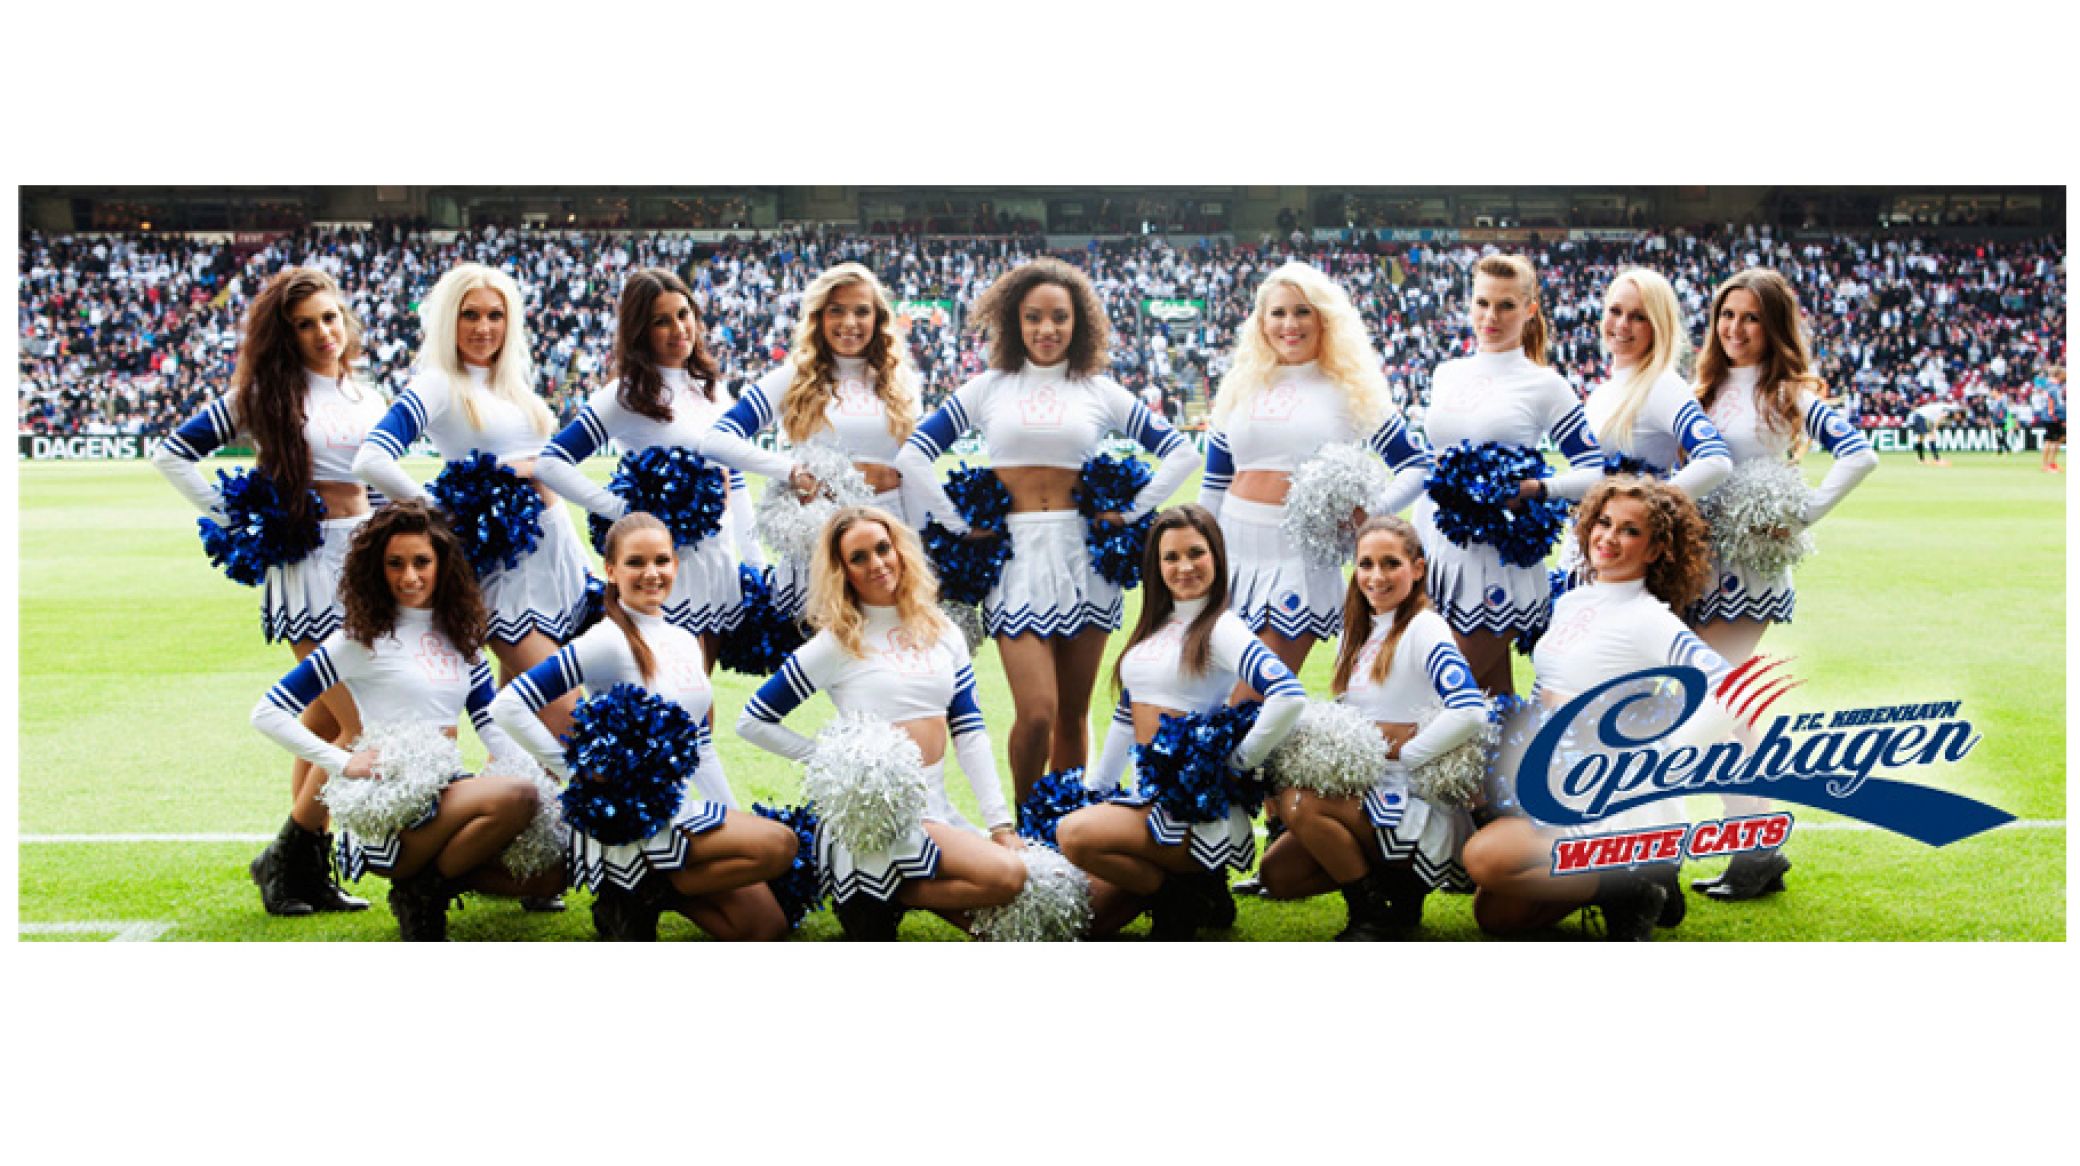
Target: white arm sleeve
{"points": [[277, 712], [729, 440], [1118, 749]]}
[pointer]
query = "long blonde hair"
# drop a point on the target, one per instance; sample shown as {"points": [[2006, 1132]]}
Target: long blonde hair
{"points": [[809, 392], [1786, 361], [512, 371], [834, 606], [1345, 356], [1357, 610], [1518, 268], [1671, 344]]}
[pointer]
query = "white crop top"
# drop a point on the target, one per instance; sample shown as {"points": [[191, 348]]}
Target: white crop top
{"points": [[1668, 428], [855, 422], [604, 419], [1427, 673], [337, 417], [1751, 438], [1503, 396], [1604, 630], [1289, 420], [431, 406]]}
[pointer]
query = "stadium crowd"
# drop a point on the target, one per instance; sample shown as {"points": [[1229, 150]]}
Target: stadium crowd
{"points": [[129, 333]]}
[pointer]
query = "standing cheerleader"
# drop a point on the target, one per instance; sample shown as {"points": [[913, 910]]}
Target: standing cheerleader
{"points": [[845, 385], [1754, 382], [1645, 410], [712, 862], [473, 390], [883, 649], [1398, 665], [1304, 377], [1185, 656], [1645, 548], [293, 395], [1502, 393], [667, 390], [1044, 409], [410, 651]]}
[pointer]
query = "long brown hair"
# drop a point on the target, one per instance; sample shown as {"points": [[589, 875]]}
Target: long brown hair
{"points": [[1518, 268], [633, 521], [640, 386], [1156, 601], [267, 386], [996, 313], [1786, 363], [364, 589], [1357, 610], [1675, 528]]}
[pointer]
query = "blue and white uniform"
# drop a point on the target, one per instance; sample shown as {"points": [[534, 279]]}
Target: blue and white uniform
{"points": [[855, 424], [1043, 417], [1736, 593], [1152, 673], [414, 675], [1505, 397], [599, 660], [1668, 432], [1282, 424], [545, 591], [300, 602], [1427, 680], [898, 680], [706, 594]]}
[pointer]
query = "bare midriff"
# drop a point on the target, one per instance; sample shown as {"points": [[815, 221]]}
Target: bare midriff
{"points": [[880, 479], [342, 499], [930, 735], [1267, 486], [1038, 488], [1148, 718]]}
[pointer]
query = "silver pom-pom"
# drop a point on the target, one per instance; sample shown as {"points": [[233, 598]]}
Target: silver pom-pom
{"points": [[790, 526], [968, 618], [867, 782], [1758, 518], [1327, 488], [546, 840], [1455, 777], [414, 762], [1334, 750], [1054, 906]]}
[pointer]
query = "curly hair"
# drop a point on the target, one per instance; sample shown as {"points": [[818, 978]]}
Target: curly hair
{"points": [[1357, 610], [640, 385], [809, 392], [1521, 270], [1346, 357], [1157, 603], [364, 589], [267, 386], [996, 314], [1679, 574], [512, 370], [834, 606], [1785, 363]]}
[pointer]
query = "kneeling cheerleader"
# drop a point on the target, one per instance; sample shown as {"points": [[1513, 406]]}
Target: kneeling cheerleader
{"points": [[705, 859], [899, 673], [410, 650]]}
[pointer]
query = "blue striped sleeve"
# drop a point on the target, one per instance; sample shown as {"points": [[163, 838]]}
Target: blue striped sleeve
{"points": [[1833, 431], [1686, 650], [1699, 436], [579, 440], [751, 413], [203, 432], [737, 480], [1452, 678], [545, 682], [1154, 433], [1576, 442], [705, 735], [1265, 674], [401, 426], [1123, 713], [1220, 462], [939, 431], [305, 683], [482, 689], [782, 693], [1397, 447], [964, 715]]}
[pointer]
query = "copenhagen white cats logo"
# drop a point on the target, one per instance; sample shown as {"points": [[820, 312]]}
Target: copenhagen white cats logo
{"points": [[1276, 403], [1041, 408], [439, 662]]}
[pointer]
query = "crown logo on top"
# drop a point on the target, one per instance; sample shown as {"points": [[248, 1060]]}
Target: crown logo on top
{"points": [[1041, 407], [437, 660], [855, 399], [1277, 403]]}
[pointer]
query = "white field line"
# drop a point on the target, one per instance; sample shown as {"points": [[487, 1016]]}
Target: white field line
{"points": [[120, 931], [97, 839]]}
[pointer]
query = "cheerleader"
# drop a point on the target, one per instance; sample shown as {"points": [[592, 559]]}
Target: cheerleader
{"points": [[1503, 392], [294, 397], [712, 862], [882, 648], [667, 390], [1304, 377], [410, 650], [1645, 410], [1185, 655], [1646, 553], [1044, 409], [473, 390], [1755, 383], [846, 385], [1398, 665]]}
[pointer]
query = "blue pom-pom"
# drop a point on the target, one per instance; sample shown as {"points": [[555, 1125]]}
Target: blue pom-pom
{"points": [[1615, 462], [673, 485], [1110, 485], [630, 753], [1472, 487], [496, 514], [1054, 797], [800, 890], [257, 532], [1557, 582], [1184, 767], [763, 635], [968, 570], [594, 609]]}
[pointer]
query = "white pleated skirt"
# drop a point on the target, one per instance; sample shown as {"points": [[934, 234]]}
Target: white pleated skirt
{"points": [[1474, 589], [301, 601], [1270, 583], [543, 592], [624, 865], [845, 872], [1736, 593], [1049, 588], [1431, 838]]}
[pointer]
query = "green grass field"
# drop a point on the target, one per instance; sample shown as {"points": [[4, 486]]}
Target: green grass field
{"points": [[139, 663]]}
